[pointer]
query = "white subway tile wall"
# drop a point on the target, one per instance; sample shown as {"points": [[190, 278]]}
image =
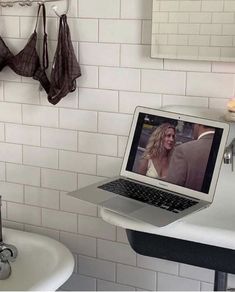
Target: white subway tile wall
{"points": [[193, 30], [46, 151]]}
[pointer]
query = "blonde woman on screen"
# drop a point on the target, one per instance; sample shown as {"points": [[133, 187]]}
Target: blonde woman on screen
{"points": [[155, 160]]}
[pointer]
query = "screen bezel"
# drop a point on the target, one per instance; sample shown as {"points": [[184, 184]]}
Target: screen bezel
{"points": [[163, 184]]}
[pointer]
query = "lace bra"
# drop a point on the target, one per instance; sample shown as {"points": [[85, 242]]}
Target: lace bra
{"points": [[26, 62]]}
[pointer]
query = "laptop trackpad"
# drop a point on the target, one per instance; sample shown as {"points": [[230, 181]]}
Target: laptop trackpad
{"points": [[122, 205]]}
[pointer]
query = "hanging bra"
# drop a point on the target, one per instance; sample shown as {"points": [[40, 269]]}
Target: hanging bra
{"points": [[26, 62], [65, 67]]}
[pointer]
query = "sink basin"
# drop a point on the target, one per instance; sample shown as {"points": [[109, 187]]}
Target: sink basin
{"points": [[42, 263]]}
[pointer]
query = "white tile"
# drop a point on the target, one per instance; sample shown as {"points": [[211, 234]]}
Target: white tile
{"points": [[122, 142], [19, 10], [96, 268], [200, 17], [218, 103], [167, 282], [97, 143], [207, 287], [121, 235], [40, 116], [98, 99], [168, 82], [217, 6], [146, 32], [2, 171], [4, 211], [115, 78], [138, 56], [83, 30], [59, 220], [71, 204], [42, 197], [23, 134], [2, 132], [210, 53], [86, 180], [79, 244], [116, 252], [10, 112], [113, 123], [23, 174], [99, 8], [23, 213], [59, 180], [43, 231], [130, 100], [136, 277], [21, 92], [186, 65], [15, 46], [58, 138], [11, 192], [189, 6], [89, 77], [1, 90], [111, 286], [43, 157], [78, 120], [78, 162], [184, 100], [231, 280], [192, 28], [227, 29], [157, 264], [96, 227], [211, 84], [177, 17], [79, 283], [27, 25], [196, 273], [120, 31], [99, 54], [10, 152], [229, 6], [223, 67], [221, 41], [9, 75], [108, 166], [9, 26], [136, 9]]}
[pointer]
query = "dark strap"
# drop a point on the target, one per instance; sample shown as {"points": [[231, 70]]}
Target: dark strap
{"points": [[39, 8], [45, 61], [45, 58]]}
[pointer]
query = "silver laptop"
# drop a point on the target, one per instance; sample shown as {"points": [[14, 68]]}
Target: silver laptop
{"points": [[170, 168]]}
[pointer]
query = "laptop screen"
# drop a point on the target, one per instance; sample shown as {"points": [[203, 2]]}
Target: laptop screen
{"points": [[175, 151]]}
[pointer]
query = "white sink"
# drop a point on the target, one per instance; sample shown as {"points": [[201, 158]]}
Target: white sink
{"points": [[42, 263]]}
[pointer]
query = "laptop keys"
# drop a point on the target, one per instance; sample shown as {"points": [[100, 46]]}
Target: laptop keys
{"points": [[151, 196]]}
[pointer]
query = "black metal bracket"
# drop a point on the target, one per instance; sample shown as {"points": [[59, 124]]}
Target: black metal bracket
{"points": [[222, 260]]}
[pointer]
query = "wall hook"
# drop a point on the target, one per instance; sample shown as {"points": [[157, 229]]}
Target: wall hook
{"points": [[54, 7]]}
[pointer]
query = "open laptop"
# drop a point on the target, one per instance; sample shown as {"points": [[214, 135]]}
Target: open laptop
{"points": [[185, 184]]}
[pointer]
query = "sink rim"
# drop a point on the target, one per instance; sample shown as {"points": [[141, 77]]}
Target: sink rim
{"points": [[58, 272]]}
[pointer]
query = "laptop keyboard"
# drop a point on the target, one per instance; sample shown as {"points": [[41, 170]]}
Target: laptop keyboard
{"points": [[148, 195]]}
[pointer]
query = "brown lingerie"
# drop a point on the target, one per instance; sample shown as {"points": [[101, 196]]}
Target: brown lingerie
{"points": [[26, 62], [65, 68]]}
